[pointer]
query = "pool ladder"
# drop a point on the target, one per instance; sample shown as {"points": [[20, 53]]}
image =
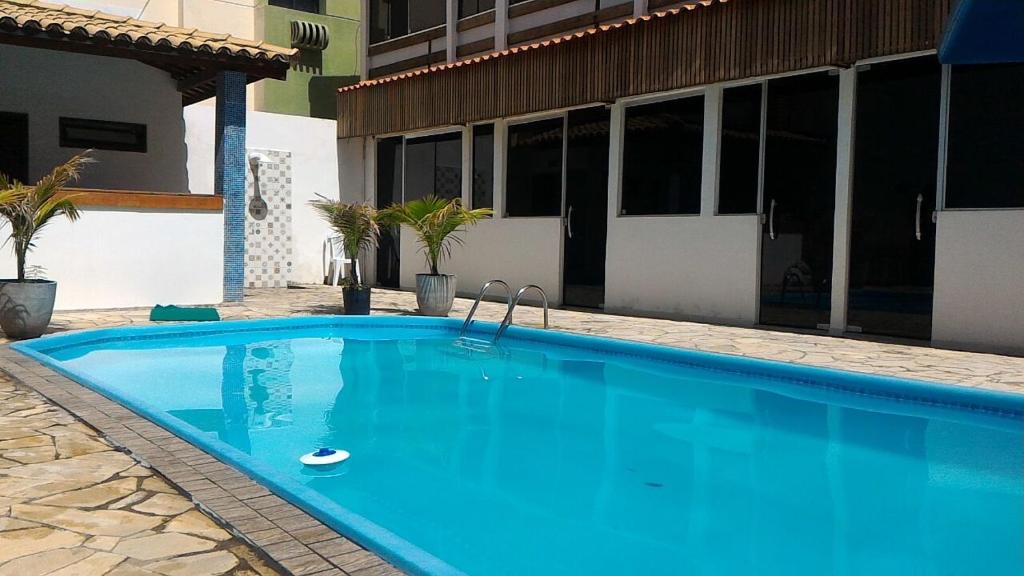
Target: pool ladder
{"points": [[512, 303]]}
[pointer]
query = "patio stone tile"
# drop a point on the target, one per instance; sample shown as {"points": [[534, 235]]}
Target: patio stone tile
{"points": [[357, 560], [44, 562], [335, 546], [162, 546], [378, 570], [164, 505], [19, 543], [290, 548], [307, 564], [91, 522], [208, 564]]}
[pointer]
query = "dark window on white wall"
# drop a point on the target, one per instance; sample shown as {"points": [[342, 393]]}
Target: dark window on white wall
{"points": [[312, 6], [533, 183], [741, 150], [433, 165], [985, 159], [102, 135], [662, 157], [470, 7], [483, 166], [395, 18]]}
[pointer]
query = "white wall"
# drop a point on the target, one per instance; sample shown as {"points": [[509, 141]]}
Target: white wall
{"points": [[691, 267], [47, 84], [313, 145], [979, 280], [113, 258], [517, 250]]}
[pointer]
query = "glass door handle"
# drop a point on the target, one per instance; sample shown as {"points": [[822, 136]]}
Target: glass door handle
{"points": [[917, 218], [568, 222], [771, 220]]}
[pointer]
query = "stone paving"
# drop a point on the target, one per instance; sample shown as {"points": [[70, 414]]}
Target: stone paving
{"points": [[71, 504]]}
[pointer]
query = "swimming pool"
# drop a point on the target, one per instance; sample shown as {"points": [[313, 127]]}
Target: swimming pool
{"points": [[566, 454]]}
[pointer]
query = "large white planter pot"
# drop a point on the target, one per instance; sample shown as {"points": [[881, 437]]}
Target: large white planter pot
{"points": [[26, 307], [435, 294]]}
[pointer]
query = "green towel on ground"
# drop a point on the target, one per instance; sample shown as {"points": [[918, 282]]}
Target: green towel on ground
{"points": [[179, 314]]}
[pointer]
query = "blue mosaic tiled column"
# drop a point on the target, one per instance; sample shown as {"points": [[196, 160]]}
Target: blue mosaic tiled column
{"points": [[229, 177]]}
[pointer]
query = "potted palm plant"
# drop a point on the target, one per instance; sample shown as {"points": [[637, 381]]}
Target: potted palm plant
{"points": [[358, 228], [435, 222], [26, 304]]}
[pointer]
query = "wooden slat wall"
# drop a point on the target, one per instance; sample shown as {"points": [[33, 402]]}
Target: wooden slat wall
{"points": [[733, 40]]}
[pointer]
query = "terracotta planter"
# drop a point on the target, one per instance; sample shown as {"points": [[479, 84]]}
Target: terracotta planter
{"points": [[357, 300], [435, 294], [26, 307]]}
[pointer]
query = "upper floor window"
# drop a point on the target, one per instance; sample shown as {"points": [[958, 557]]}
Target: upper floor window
{"points": [[470, 7], [396, 18], [300, 5]]}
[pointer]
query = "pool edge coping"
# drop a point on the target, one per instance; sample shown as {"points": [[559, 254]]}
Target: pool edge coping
{"points": [[291, 538]]}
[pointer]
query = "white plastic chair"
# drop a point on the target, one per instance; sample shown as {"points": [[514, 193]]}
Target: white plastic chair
{"points": [[334, 259]]}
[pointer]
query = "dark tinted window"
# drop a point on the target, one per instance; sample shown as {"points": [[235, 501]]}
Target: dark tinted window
{"points": [[483, 166], [533, 185], [471, 7], [663, 148], [985, 161], [102, 135], [302, 5], [741, 150], [395, 18], [433, 165]]}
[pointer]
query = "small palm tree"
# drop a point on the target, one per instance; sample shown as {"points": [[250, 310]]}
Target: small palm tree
{"points": [[28, 209], [357, 225], [435, 221]]}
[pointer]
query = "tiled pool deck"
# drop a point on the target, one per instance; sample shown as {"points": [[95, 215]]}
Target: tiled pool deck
{"points": [[71, 503]]}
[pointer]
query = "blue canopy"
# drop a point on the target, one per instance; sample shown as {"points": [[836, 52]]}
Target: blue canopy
{"points": [[984, 32]]}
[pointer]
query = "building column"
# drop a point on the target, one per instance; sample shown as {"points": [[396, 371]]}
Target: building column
{"points": [[500, 25], [639, 8], [364, 40], [844, 189], [712, 148], [229, 177], [452, 30]]}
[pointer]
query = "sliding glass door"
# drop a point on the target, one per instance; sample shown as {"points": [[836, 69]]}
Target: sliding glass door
{"points": [[892, 242], [389, 191], [801, 125]]}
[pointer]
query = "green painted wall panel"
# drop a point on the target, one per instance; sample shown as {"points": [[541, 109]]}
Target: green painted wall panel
{"points": [[312, 82]]}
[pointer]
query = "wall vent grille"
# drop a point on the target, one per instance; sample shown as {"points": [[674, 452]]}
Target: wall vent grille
{"points": [[309, 35]]}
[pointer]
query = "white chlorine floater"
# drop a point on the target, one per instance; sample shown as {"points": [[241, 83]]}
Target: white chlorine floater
{"points": [[324, 456]]}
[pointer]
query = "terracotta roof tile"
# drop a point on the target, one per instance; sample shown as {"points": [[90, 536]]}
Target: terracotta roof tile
{"points": [[539, 44], [59, 18]]}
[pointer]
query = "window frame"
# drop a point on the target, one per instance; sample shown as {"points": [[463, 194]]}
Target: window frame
{"points": [[318, 10], [945, 109], [563, 115], [643, 100]]}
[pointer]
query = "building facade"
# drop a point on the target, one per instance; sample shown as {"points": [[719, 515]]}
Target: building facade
{"points": [[325, 32], [807, 165]]}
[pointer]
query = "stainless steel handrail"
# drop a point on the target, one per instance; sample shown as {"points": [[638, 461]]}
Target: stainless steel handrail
{"points": [[515, 302], [483, 291]]}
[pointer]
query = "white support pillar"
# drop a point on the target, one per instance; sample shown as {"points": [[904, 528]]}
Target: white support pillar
{"points": [[452, 29], [712, 147], [844, 190], [364, 40], [500, 145], [616, 126], [500, 26], [467, 166], [639, 8]]}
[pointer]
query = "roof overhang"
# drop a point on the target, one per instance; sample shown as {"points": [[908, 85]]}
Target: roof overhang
{"points": [[984, 32], [701, 44], [192, 57]]}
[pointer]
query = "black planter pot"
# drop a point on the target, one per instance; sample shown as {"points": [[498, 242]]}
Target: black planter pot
{"points": [[357, 300]]}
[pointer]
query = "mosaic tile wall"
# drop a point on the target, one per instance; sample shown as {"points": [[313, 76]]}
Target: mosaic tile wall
{"points": [[268, 227]]}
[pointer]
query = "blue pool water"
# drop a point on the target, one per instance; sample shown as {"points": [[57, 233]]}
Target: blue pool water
{"points": [[562, 454]]}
